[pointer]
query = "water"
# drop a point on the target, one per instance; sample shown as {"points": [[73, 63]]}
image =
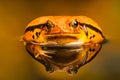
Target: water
{"points": [[17, 64]]}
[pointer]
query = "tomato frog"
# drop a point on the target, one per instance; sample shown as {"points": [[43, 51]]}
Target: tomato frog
{"points": [[61, 32]]}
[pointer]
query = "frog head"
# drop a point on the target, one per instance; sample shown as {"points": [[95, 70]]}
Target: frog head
{"points": [[63, 30]]}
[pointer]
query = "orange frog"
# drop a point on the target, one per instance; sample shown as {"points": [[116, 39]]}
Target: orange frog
{"points": [[61, 32]]}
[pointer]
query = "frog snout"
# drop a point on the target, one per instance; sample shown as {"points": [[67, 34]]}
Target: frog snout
{"points": [[60, 30]]}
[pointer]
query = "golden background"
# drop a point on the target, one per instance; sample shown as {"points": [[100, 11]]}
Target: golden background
{"points": [[17, 64]]}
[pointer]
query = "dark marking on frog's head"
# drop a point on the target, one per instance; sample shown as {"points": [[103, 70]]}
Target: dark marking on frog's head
{"points": [[93, 28], [31, 28]]}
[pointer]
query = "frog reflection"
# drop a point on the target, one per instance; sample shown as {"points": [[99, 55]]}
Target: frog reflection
{"points": [[65, 58]]}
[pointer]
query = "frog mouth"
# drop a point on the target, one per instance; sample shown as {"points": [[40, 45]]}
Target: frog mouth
{"points": [[71, 45], [61, 41]]}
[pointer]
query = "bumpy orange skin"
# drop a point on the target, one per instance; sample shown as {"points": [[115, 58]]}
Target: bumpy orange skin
{"points": [[62, 30]]}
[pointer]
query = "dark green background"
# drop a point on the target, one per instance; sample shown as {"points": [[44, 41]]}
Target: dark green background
{"points": [[17, 64]]}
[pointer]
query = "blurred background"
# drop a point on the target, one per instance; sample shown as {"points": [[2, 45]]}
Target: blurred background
{"points": [[17, 64]]}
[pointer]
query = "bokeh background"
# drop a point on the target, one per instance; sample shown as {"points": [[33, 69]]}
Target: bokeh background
{"points": [[17, 64]]}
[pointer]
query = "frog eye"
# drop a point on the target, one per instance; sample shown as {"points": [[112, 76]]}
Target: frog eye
{"points": [[74, 24], [49, 25]]}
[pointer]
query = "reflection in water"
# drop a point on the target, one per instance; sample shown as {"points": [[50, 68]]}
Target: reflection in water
{"points": [[68, 59]]}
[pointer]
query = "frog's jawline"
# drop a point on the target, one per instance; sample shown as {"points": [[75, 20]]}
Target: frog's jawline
{"points": [[67, 45]]}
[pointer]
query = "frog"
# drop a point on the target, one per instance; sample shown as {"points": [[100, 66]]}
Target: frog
{"points": [[60, 32]]}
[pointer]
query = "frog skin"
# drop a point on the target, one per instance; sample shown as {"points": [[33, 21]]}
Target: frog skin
{"points": [[62, 32]]}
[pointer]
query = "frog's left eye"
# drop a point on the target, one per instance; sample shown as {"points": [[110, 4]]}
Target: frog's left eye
{"points": [[49, 25], [74, 24]]}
